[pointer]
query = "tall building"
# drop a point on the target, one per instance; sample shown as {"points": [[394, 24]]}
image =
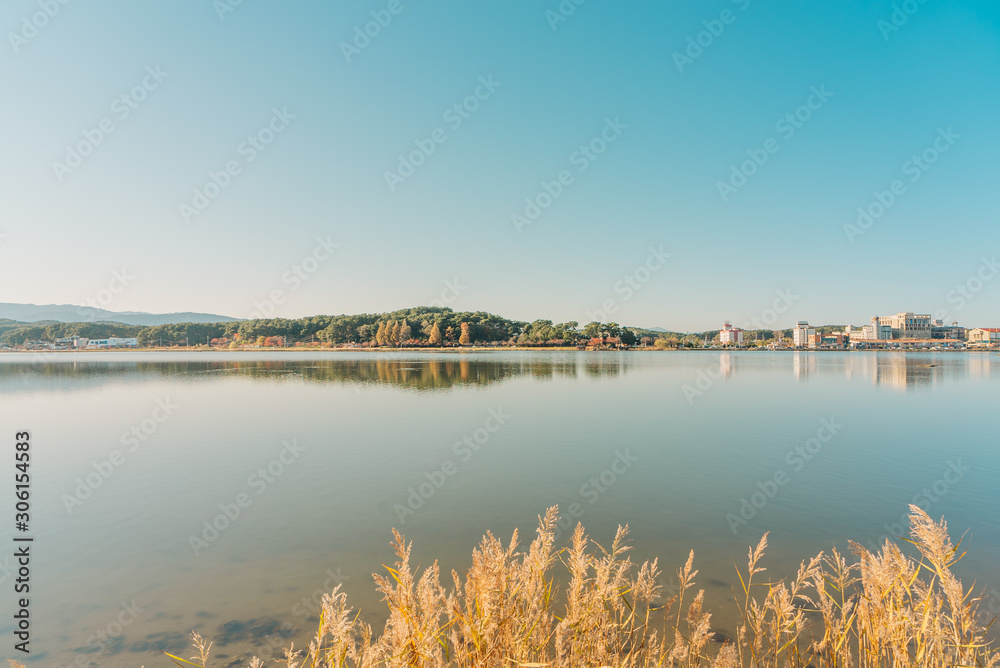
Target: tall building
{"points": [[803, 334], [730, 335], [908, 325], [876, 331]]}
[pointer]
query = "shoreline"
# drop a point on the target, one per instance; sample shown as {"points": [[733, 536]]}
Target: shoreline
{"points": [[480, 349]]}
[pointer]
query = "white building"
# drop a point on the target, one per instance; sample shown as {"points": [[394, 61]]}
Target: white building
{"points": [[908, 325], [802, 334], [113, 342], [730, 335], [877, 331], [984, 335], [74, 341]]}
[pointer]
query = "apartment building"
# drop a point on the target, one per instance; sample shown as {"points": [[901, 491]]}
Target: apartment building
{"points": [[803, 334], [875, 331], [908, 325], [730, 335]]}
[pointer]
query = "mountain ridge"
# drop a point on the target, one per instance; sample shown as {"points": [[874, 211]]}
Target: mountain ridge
{"points": [[69, 313]]}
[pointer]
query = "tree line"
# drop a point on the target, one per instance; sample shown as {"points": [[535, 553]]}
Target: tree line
{"points": [[423, 326], [420, 326]]}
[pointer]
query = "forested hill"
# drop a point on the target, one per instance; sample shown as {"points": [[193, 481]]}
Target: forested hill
{"points": [[419, 326]]}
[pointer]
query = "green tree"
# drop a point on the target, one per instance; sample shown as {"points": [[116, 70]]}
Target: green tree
{"points": [[567, 330], [434, 338], [611, 329], [592, 330], [405, 333]]}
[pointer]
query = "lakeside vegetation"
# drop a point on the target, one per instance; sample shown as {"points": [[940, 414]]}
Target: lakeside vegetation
{"points": [[891, 608], [412, 327]]}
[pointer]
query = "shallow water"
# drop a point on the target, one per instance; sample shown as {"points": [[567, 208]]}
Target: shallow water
{"points": [[445, 446]]}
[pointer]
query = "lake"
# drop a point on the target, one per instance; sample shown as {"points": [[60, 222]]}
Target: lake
{"points": [[223, 491]]}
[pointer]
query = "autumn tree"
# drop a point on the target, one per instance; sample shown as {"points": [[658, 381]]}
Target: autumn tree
{"points": [[464, 336], [380, 334], [394, 336], [435, 336], [405, 333]]}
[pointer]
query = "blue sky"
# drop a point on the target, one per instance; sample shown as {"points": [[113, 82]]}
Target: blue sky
{"points": [[872, 85]]}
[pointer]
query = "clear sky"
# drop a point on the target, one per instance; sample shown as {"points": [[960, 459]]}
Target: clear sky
{"points": [[667, 99]]}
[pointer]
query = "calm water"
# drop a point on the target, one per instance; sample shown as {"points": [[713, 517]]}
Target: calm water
{"points": [[327, 452]]}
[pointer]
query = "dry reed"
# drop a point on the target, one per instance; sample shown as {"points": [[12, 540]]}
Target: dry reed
{"points": [[883, 609]]}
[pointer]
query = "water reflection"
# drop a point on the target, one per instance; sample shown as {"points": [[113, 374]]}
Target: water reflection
{"points": [[412, 372], [443, 371], [899, 371], [905, 371]]}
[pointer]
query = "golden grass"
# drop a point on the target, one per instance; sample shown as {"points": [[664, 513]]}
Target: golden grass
{"points": [[884, 609]]}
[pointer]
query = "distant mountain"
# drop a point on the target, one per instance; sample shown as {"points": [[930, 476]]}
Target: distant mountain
{"points": [[657, 329], [69, 313]]}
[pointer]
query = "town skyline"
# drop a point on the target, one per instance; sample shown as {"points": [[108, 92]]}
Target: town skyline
{"points": [[905, 325]]}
